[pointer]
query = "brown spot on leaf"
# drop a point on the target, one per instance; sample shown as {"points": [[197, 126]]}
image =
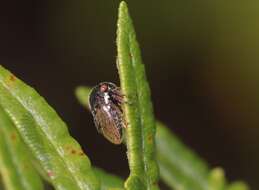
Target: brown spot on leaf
{"points": [[150, 138], [13, 136], [73, 151], [81, 153], [67, 147], [12, 78]]}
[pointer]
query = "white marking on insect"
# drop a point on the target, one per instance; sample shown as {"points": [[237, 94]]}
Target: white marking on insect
{"points": [[107, 108], [106, 98]]}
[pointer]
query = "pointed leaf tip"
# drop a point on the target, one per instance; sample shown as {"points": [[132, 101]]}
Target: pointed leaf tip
{"points": [[123, 6]]}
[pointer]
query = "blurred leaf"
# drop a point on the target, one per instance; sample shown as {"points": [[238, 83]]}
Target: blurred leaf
{"points": [[46, 135], [217, 179], [17, 172], [108, 181], [138, 112], [180, 168], [239, 185]]}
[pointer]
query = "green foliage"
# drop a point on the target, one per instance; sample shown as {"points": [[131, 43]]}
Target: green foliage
{"points": [[217, 179], [34, 138], [179, 166], [108, 181], [138, 111], [17, 172], [239, 185], [182, 169]]}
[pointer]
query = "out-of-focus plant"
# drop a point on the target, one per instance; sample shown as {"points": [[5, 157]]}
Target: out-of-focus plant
{"points": [[35, 144]]}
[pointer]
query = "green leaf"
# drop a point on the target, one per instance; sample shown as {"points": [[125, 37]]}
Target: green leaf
{"points": [[217, 179], [17, 172], [108, 181], [138, 111], [46, 136], [239, 185], [180, 168]]}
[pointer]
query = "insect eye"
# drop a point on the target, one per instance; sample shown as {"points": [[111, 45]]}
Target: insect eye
{"points": [[103, 88]]}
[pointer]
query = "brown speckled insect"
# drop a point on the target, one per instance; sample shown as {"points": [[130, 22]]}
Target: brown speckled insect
{"points": [[105, 103]]}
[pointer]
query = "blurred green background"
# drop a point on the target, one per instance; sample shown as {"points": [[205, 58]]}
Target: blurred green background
{"points": [[202, 60]]}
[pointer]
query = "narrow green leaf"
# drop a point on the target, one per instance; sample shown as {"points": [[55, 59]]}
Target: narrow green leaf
{"points": [[140, 133], [239, 185], [217, 179], [108, 181], [17, 172], [180, 168], [46, 135]]}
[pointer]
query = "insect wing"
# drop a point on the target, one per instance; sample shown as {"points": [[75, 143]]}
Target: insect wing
{"points": [[106, 125]]}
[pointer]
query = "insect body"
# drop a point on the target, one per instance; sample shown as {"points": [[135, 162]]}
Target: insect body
{"points": [[105, 103]]}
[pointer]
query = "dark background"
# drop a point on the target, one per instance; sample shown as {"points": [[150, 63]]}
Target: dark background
{"points": [[201, 59]]}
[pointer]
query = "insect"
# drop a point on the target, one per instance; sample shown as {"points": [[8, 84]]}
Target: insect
{"points": [[105, 102]]}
